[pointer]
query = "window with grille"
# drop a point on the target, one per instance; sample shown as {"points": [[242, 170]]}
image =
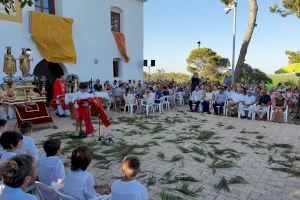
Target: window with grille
{"points": [[115, 21], [45, 6], [116, 64]]}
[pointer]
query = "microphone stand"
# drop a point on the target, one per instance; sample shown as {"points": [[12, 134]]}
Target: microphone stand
{"points": [[99, 132]]}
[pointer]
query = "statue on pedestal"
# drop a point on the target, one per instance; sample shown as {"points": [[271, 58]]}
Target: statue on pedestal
{"points": [[9, 66], [24, 63]]}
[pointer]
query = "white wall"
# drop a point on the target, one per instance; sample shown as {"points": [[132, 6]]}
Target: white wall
{"points": [[92, 38]]}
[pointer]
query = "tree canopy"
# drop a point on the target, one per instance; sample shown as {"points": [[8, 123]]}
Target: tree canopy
{"points": [[9, 5], [288, 7], [161, 75], [250, 75], [208, 63], [293, 56]]}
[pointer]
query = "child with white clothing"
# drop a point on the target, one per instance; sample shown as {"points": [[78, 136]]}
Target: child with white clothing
{"points": [[29, 146], [79, 183], [128, 188], [50, 167], [11, 141]]}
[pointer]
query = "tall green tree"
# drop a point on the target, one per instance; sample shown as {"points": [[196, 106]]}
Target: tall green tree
{"points": [[9, 5], [207, 62], [293, 56], [288, 7], [253, 9], [160, 76], [250, 75]]}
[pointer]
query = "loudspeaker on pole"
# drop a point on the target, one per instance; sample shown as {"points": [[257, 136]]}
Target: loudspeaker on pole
{"points": [[152, 63], [145, 63]]}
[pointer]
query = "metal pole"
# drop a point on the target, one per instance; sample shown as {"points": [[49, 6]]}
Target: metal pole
{"points": [[233, 42]]}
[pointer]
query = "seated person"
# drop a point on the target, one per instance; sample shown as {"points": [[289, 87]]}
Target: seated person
{"points": [[233, 103], [248, 103], [196, 97], [220, 99], [166, 91], [10, 141], [158, 93], [207, 99], [128, 188], [279, 106], [50, 167], [264, 101], [97, 86], [17, 173], [79, 183], [149, 96], [29, 146], [128, 97]]}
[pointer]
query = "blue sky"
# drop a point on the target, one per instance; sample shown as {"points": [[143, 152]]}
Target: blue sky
{"points": [[173, 27]]}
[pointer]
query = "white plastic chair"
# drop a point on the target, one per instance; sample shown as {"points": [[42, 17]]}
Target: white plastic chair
{"points": [[285, 114], [179, 97], [130, 106], [148, 106], [246, 109], [268, 113], [45, 190], [166, 102], [159, 104]]}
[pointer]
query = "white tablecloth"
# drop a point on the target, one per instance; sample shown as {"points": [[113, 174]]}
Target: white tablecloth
{"points": [[70, 96]]}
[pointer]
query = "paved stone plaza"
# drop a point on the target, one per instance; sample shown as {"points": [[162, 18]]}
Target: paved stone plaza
{"points": [[194, 156]]}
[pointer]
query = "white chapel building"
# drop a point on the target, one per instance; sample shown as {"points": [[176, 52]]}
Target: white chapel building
{"points": [[90, 49]]}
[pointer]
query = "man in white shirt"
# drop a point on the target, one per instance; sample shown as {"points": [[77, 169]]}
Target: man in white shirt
{"points": [[196, 97], [233, 102], [18, 173], [248, 103], [128, 188], [50, 167]]}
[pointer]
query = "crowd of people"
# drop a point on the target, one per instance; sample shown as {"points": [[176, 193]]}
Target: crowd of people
{"points": [[21, 165]]}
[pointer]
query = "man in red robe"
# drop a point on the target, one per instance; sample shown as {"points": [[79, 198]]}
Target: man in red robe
{"points": [[58, 101]]}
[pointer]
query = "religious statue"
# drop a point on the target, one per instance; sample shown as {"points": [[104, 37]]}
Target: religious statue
{"points": [[24, 63], [9, 66]]}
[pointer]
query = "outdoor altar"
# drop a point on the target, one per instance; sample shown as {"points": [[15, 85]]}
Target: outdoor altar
{"points": [[19, 94]]}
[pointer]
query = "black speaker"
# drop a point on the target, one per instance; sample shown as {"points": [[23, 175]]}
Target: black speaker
{"points": [[298, 74], [145, 63], [152, 63]]}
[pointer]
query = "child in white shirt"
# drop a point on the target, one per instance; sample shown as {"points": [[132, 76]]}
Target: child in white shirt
{"points": [[79, 183], [128, 188], [11, 141], [50, 167], [29, 146]]}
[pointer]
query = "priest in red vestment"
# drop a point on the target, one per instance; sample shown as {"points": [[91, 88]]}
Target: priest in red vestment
{"points": [[58, 101]]}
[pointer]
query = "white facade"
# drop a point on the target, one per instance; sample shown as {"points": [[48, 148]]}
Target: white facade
{"points": [[94, 42]]}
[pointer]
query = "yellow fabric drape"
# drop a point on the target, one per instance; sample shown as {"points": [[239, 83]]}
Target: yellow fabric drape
{"points": [[120, 40], [53, 37]]}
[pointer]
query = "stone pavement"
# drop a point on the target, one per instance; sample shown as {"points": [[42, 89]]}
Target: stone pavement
{"points": [[195, 156]]}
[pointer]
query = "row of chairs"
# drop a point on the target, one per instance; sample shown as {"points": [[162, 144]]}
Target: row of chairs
{"points": [[270, 111], [160, 104]]}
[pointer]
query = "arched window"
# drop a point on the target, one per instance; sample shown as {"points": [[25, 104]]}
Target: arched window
{"points": [[116, 15], [45, 6]]}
